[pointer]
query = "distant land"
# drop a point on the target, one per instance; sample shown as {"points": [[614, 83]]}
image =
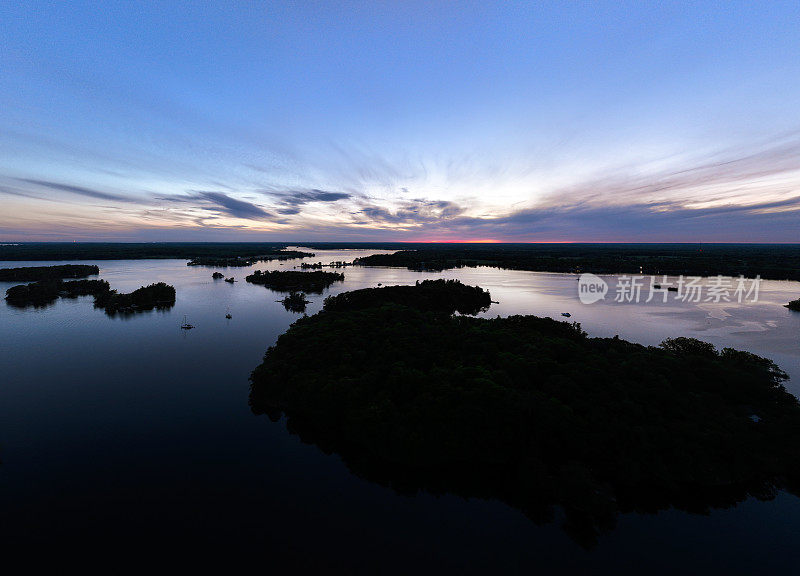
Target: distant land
{"points": [[31, 273], [135, 250], [769, 261]]}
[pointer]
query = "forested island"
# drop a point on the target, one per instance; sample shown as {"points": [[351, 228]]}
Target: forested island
{"points": [[295, 302], [777, 262], [45, 292], [794, 305], [36, 273], [529, 410], [159, 295], [441, 296], [293, 281]]}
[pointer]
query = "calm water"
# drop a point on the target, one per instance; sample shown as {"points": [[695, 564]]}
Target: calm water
{"points": [[129, 434]]}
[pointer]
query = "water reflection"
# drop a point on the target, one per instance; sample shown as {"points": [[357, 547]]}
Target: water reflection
{"points": [[528, 411], [147, 427]]}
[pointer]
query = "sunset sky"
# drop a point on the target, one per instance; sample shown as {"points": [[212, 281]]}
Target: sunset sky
{"points": [[435, 121]]}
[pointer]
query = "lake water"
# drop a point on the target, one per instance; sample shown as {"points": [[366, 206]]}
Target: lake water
{"points": [[129, 434]]}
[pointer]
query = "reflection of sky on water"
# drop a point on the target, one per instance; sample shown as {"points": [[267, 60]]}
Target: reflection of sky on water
{"points": [[130, 408]]}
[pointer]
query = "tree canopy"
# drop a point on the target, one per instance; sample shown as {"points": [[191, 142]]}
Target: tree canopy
{"points": [[295, 281], [34, 273], [46, 292], [529, 410]]}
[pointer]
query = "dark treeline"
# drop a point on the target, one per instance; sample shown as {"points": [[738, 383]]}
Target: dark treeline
{"points": [[135, 250], [46, 292], [320, 265], [35, 273], [775, 261], [771, 261], [158, 295], [445, 296], [531, 411], [233, 261], [293, 281]]}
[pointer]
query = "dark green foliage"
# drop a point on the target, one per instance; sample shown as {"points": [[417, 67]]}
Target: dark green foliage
{"points": [[293, 281], [446, 296], [295, 302], [688, 347], [34, 273], [778, 262], [48, 291], [158, 295], [794, 305], [77, 288], [530, 410]]}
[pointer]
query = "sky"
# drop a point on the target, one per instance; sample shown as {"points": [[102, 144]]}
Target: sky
{"points": [[400, 121]]}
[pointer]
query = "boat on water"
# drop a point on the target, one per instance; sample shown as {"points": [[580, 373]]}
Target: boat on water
{"points": [[566, 314], [228, 314], [186, 325], [230, 280]]}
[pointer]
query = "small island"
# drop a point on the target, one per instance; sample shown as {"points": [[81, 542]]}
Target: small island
{"points": [[293, 281], [38, 273], [158, 295], [529, 410], [217, 275], [794, 305], [45, 292], [295, 302], [440, 296]]}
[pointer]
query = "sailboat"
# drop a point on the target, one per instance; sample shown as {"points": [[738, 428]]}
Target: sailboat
{"points": [[228, 313], [186, 325]]}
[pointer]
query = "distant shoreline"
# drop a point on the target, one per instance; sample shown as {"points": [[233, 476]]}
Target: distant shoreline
{"points": [[767, 261]]}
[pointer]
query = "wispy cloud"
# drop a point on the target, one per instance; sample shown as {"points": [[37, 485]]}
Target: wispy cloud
{"points": [[79, 190], [290, 202], [234, 207], [220, 202], [300, 197], [414, 212], [734, 174], [659, 222]]}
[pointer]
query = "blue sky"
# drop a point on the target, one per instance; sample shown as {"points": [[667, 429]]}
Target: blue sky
{"points": [[563, 121]]}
